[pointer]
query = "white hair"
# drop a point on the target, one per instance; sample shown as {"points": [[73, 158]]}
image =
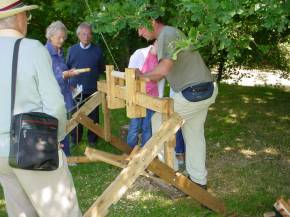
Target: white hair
{"points": [[8, 22], [54, 27], [82, 26]]}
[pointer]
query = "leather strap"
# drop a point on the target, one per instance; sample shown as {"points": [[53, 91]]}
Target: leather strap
{"points": [[14, 74]]}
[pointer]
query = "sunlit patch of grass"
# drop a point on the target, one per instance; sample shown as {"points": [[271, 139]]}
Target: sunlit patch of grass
{"points": [[248, 153], [229, 149], [271, 151], [260, 101], [2, 203], [246, 99]]}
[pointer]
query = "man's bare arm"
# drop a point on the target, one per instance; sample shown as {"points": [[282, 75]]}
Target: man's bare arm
{"points": [[160, 71]]}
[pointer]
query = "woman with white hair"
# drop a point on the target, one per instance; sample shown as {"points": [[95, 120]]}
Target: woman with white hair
{"points": [[56, 34]]}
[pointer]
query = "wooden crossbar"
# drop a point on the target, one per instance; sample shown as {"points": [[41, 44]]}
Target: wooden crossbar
{"points": [[97, 155], [118, 74], [135, 167], [89, 106], [161, 105], [98, 130], [80, 117], [89, 123], [79, 159]]}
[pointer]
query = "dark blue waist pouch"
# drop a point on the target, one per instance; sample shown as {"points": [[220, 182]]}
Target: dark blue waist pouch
{"points": [[198, 92]]}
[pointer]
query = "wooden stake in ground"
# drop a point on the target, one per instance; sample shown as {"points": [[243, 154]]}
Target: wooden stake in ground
{"points": [[136, 166]]}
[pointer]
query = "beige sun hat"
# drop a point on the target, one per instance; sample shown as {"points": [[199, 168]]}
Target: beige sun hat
{"points": [[11, 7]]}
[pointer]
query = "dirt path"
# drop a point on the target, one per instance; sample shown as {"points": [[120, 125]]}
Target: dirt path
{"points": [[259, 78]]}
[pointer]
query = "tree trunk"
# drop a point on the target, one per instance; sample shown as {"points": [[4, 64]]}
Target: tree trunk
{"points": [[221, 66]]}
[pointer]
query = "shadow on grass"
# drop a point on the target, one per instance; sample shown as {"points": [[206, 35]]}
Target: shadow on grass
{"points": [[248, 147]]}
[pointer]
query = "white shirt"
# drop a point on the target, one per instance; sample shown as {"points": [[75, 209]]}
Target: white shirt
{"points": [[83, 47], [137, 60]]}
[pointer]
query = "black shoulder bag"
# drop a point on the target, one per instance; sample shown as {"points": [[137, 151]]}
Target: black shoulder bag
{"points": [[33, 135]]}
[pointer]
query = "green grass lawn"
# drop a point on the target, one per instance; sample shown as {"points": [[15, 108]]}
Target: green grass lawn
{"points": [[248, 159]]}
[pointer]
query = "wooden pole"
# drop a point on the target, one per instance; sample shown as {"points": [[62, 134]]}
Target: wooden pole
{"points": [[132, 87], [107, 118], [113, 102], [184, 184], [79, 159], [97, 155], [86, 109], [97, 129], [169, 146], [89, 123]]}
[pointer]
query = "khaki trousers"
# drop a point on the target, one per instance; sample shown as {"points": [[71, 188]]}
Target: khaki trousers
{"points": [[39, 193], [194, 114]]}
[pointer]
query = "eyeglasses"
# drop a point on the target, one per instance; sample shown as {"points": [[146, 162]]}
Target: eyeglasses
{"points": [[28, 15]]}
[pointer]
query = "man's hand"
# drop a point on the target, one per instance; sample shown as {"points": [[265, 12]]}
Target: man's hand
{"points": [[138, 73], [60, 145], [160, 71]]}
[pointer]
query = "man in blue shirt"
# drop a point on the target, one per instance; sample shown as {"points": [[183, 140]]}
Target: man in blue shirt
{"points": [[86, 55]]}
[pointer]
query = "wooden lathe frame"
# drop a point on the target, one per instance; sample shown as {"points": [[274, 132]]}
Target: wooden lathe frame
{"points": [[121, 90]]}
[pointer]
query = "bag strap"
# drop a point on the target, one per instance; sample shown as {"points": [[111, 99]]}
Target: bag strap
{"points": [[14, 74]]}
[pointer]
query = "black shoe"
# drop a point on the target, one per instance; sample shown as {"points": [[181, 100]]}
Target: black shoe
{"points": [[200, 185]]}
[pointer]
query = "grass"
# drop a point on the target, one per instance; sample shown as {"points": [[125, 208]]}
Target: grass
{"points": [[248, 159]]}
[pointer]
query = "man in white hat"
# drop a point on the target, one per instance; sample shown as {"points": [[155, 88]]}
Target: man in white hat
{"points": [[31, 193]]}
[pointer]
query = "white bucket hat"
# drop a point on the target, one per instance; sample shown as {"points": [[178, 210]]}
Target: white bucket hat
{"points": [[11, 7]]}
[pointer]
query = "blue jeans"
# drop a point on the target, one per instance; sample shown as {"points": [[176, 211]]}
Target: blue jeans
{"points": [[180, 146], [140, 123]]}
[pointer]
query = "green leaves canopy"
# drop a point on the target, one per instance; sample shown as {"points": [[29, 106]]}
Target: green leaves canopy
{"points": [[244, 32], [231, 26]]}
